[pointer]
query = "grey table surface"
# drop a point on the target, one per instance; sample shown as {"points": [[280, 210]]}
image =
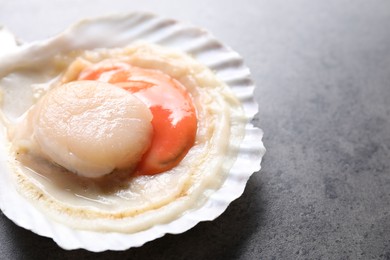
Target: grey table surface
{"points": [[322, 70]]}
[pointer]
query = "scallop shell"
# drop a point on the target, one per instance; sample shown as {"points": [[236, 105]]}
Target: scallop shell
{"points": [[117, 31]]}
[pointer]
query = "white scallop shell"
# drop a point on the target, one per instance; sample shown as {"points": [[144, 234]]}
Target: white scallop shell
{"points": [[116, 31]]}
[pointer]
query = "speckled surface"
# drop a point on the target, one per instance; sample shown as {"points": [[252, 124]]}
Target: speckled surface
{"points": [[322, 70]]}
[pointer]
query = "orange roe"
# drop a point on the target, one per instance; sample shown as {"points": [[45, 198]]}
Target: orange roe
{"points": [[174, 116]]}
